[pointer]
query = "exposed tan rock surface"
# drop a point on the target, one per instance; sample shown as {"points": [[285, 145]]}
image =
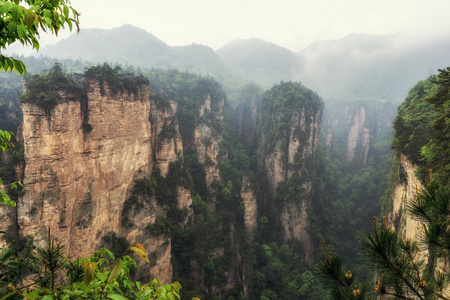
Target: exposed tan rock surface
{"points": [[358, 135], [282, 164], [399, 219], [207, 142], [250, 207], [166, 139], [77, 183]]}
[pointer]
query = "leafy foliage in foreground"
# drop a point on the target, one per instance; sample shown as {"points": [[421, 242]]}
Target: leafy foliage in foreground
{"points": [[401, 272], [55, 276], [20, 23]]}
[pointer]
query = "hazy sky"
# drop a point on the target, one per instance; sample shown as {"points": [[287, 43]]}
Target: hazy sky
{"points": [[293, 24]]}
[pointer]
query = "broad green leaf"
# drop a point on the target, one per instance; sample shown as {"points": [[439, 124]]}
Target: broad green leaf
{"points": [[4, 198], [140, 252], [24, 70], [34, 8], [102, 276], [160, 291], [6, 6], [48, 22], [5, 251], [6, 255], [116, 270], [14, 264], [21, 31], [29, 19], [66, 11], [15, 11], [12, 27], [140, 246], [177, 286], [32, 295], [5, 135], [7, 296], [35, 44], [115, 296], [47, 13], [88, 276], [89, 269], [10, 63]]}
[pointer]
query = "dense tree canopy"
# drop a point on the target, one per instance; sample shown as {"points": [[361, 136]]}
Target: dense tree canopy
{"points": [[412, 124], [437, 152]]}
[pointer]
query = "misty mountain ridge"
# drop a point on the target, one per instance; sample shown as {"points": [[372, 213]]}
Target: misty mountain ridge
{"points": [[358, 66], [134, 46], [261, 61]]}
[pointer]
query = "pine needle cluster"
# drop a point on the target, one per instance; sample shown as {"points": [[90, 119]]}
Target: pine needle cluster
{"points": [[401, 271]]}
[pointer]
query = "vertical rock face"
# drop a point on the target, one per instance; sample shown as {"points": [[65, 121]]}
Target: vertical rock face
{"points": [[250, 207], [76, 183], [399, 219], [287, 150], [294, 147], [358, 134], [207, 140], [361, 126], [294, 216], [167, 145], [405, 191]]}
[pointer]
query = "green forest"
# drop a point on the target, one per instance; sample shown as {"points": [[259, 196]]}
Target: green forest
{"points": [[289, 195], [278, 269]]}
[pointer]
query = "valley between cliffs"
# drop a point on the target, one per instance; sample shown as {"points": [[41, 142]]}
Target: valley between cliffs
{"points": [[110, 167]]}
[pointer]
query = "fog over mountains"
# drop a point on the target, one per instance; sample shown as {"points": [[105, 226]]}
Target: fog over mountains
{"points": [[358, 65], [134, 46], [364, 65]]}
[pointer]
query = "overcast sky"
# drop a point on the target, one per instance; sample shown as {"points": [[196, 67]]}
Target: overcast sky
{"points": [[293, 24]]}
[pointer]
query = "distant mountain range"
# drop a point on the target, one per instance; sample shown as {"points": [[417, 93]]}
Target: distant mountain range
{"points": [[261, 61], [134, 46], [357, 66]]}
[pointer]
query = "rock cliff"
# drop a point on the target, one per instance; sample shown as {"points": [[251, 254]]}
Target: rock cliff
{"points": [[300, 155], [404, 191], [399, 219], [353, 129], [76, 183], [287, 146], [250, 207]]}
